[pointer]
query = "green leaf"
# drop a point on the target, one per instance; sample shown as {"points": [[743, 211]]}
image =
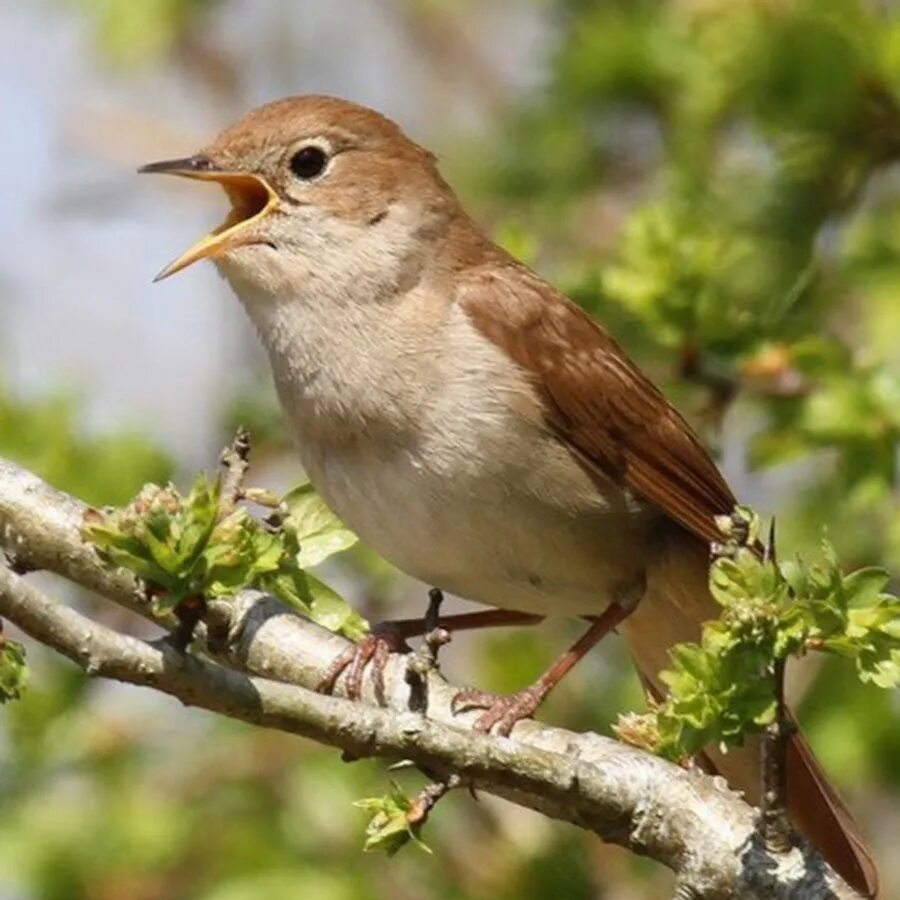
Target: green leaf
{"points": [[239, 552], [864, 586], [197, 525], [330, 610], [691, 663], [318, 602], [317, 530]]}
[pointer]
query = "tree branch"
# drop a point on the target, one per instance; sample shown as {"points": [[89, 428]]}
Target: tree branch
{"points": [[266, 659]]}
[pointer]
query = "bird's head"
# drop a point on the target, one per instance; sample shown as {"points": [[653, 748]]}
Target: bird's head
{"points": [[320, 189]]}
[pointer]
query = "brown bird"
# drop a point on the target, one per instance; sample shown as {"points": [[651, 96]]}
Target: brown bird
{"points": [[467, 420]]}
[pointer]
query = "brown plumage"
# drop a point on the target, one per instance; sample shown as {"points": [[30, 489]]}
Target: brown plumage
{"points": [[597, 400]]}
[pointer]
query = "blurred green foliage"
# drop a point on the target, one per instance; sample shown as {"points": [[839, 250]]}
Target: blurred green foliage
{"points": [[45, 436], [716, 180]]}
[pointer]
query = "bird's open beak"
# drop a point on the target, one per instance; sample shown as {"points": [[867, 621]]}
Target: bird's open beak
{"points": [[251, 198]]}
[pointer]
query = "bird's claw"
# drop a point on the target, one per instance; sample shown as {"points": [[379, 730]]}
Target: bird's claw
{"points": [[500, 710], [375, 648]]}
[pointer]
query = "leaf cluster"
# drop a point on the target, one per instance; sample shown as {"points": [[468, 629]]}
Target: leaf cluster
{"points": [[182, 548], [395, 822], [721, 689]]}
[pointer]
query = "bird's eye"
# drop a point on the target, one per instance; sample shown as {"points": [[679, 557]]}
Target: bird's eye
{"points": [[308, 162]]}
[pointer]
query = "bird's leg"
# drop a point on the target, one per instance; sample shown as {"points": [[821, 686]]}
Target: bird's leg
{"points": [[505, 711], [391, 636]]}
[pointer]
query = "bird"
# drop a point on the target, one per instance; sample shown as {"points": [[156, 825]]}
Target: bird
{"points": [[470, 422]]}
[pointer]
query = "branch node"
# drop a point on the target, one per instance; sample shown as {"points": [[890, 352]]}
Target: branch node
{"points": [[428, 798], [14, 563], [189, 613]]}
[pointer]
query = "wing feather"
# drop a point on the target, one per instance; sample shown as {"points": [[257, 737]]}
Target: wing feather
{"points": [[596, 398]]}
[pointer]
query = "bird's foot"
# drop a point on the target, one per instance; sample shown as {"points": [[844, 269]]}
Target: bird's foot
{"points": [[500, 710], [375, 648]]}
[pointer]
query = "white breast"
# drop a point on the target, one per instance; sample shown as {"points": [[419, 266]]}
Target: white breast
{"points": [[428, 442]]}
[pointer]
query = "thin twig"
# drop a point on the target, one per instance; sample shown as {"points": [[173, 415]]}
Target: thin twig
{"points": [[234, 462], [776, 821], [425, 659]]}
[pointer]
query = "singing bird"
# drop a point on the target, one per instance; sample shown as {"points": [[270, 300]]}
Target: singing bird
{"points": [[468, 421]]}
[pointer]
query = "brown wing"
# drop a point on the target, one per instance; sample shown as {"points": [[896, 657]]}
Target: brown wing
{"points": [[596, 398]]}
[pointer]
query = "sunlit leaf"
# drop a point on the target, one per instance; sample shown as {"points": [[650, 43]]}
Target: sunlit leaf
{"points": [[317, 529]]}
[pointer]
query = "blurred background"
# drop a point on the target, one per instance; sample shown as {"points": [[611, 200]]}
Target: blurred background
{"points": [[715, 179]]}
